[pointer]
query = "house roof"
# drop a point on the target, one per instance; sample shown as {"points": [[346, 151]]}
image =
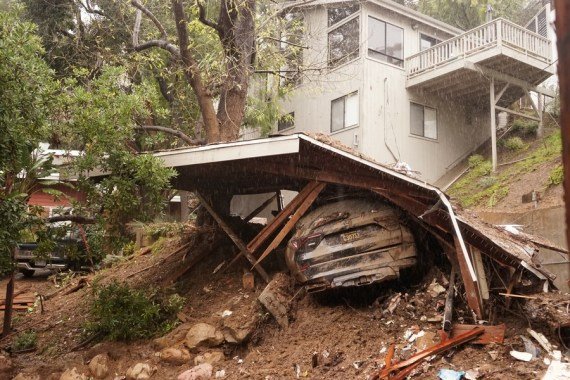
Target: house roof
{"points": [[387, 4], [291, 161]]}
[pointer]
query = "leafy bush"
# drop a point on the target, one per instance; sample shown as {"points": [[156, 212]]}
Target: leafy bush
{"points": [[525, 127], [514, 143], [123, 313], [24, 341], [556, 176], [475, 160], [487, 182]]}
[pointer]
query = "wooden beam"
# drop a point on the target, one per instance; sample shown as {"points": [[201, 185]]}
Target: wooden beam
{"points": [[500, 94], [507, 78], [260, 208], [309, 200], [493, 123], [232, 235], [471, 285], [507, 110], [271, 227]]}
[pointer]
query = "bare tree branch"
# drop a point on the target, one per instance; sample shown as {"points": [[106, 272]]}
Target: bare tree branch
{"points": [[89, 9], [173, 132], [152, 17], [204, 20], [171, 48]]}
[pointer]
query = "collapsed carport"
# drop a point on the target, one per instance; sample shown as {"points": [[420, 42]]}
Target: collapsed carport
{"points": [[307, 164]]}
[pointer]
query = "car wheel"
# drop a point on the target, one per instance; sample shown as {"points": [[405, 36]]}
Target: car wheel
{"points": [[27, 272]]}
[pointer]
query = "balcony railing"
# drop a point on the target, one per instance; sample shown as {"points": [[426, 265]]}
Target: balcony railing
{"points": [[495, 33]]}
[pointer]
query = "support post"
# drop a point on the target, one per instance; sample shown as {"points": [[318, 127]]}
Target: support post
{"points": [[232, 235], [470, 283], [540, 130], [493, 123]]}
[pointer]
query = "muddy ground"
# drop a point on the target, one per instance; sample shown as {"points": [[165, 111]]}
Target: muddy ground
{"points": [[341, 335]]}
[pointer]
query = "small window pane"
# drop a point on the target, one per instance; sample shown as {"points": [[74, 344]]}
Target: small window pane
{"points": [[286, 121], [376, 35], [532, 26], [340, 13], [343, 43], [351, 110], [337, 114], [416, 119], [430, 123], [426, 42], [394, 41]]}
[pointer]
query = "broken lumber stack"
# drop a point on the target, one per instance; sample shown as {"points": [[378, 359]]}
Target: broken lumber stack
{"points": [[21, 301]]}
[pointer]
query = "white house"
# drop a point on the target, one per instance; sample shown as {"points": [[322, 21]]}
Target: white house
{"points": [[400, 86]]}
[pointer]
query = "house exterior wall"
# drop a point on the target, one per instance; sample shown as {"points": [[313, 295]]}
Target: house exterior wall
{"points": [[50, 202], [383, 131]]}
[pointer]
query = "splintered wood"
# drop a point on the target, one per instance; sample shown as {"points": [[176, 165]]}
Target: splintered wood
{"points": [[21, 302]]}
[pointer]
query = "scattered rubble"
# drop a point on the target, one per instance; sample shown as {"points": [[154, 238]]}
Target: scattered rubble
{"points": [[199, 372], [176, 356], [99, 366], [140, 371], [203, 335], [73, 374]]}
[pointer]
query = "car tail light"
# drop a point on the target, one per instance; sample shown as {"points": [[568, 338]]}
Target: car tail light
{"points": [[306, 243]]}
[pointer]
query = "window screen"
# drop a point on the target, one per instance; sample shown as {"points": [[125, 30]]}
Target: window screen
{"points": [[345, 112]]}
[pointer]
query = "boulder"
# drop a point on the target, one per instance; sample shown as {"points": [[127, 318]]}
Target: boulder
{"points": [[236, 331], [203, 335], [99, 366], [209, 357], [73, 374], [176, 356], [174, 337], [27, 376], [140, 371], [200, 372]]}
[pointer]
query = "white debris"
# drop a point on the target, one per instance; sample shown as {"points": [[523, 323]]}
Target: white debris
{"points": [[557, 371], [227, 313], [220, 374], [522, 356]]}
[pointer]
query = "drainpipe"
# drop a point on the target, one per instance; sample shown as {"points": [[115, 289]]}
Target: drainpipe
{"points": [[385, 129]]}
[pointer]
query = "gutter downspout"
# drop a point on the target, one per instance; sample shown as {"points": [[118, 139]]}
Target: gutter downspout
{"points": [[385, 112]]}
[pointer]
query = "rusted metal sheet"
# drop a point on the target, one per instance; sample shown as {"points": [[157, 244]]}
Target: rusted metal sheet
{"points": [[491, 334]]}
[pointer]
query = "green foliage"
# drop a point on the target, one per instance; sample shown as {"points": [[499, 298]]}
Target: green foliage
{"points": [[126, 314], [24, 341], [556, 176], [475, 160], [525, 127], [468, 14], [164, 229], [487, 181], [514, 143]]}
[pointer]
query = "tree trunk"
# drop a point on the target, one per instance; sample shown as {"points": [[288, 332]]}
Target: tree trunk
{"points": [[7, 326], [237, 34]]}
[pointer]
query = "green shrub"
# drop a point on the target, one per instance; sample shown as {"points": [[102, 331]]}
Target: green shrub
{"points": [[514, 143], [24, 341], [525, 127], [123, 313], [556, 176], [475, 160], [487, 182]]}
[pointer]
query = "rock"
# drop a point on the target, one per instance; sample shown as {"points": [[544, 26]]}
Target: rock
{"points": [[174, 337], [173, 355], [140, 371], [209, 357], [275, 298], [27, 376], [434, 289], [200, 372], [99, 366], [203, 334], [6, 365], [235, 331], [72, 374]]}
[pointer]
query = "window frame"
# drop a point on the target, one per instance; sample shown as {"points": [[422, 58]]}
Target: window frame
{"points": [[347, 57], [387, 58], [344, 99], [423, 135], [437, 41]]}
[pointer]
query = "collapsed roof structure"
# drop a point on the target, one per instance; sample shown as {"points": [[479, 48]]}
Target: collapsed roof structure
{"points": [[306, 163]]}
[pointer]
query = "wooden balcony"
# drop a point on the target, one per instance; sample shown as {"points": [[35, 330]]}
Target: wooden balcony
{"points": [[460, 67]]}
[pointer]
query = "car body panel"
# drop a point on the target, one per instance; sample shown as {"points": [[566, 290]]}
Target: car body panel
{"points": [[350, 242]]}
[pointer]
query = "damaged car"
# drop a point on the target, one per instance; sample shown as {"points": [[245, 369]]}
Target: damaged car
{"points": [[350, 242]]}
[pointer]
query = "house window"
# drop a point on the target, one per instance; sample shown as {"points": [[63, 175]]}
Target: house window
{"points": [[344, 112], [344, 43], [426, 42], [291, 48], [286, 121], [385, 42], [338, 14], [423, 121]]}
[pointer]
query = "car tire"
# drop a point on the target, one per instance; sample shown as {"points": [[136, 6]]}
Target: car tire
{"points": [[28, 272]]}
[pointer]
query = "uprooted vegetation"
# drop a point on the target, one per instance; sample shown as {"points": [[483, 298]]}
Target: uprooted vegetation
{"points": [[479, 187]]}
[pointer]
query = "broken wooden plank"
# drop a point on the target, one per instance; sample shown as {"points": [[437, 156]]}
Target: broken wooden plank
{"points": [[513, 281], [491, 334], [471, 286], [448, 310], [271, 227], [232, 235], [291, 222], [259, 209]]}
